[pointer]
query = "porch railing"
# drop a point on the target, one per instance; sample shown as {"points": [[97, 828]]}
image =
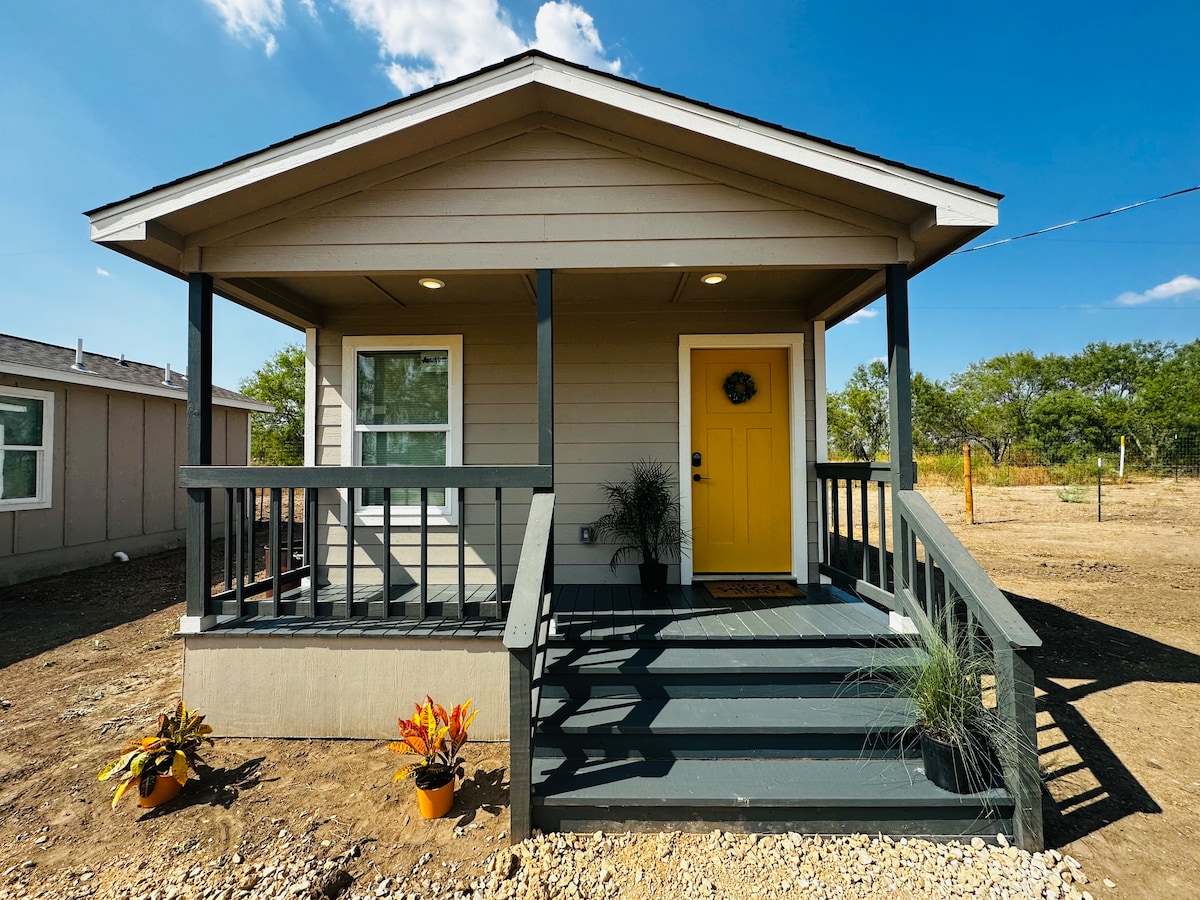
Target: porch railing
{"points": [[525, 637], [244, 489], [931, 577], [854, 541]]}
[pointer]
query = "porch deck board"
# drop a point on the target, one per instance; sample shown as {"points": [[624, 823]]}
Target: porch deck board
{"points": [[584, 613], [615, 613]]}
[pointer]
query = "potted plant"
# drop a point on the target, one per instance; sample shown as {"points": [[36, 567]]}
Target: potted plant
{"points": [[644, 521], [159, 764], [961, 737], [437, 737]]}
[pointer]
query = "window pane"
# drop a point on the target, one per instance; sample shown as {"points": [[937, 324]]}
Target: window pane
{"points": [[18, 474], [20, 421], [409, 387], [404, 448]]}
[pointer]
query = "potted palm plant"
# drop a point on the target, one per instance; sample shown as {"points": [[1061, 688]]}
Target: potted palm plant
{"points": [[644, 521], [158, 764], [437, 737]]}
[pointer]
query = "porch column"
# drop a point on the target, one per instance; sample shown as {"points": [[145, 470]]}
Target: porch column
{"points": [[199, 451], [545, 366], [545, 392], [899, 378]]}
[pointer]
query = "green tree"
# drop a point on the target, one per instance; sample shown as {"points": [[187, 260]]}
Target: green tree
{"points": [[994, 400], [277, 438], [858, 414]]}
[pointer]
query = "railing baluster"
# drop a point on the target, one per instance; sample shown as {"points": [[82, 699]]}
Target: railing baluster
{"points": [[866, 531], [350, 492], [273, 553], [462, 553], [823, 513], [310, 548], [240, 585], [849, 525], [931, 601], [251, 528], [228, 567], [424, 551], [387, 552], [499, 553], [835, 534], [884, 581], [291, 527]]}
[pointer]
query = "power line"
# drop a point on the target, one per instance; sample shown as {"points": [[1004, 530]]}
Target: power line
{"points": [[1111, 212]]}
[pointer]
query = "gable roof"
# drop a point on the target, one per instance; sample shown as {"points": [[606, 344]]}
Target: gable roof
{"points": [[34, 359], [169, 226], [538, 54]]}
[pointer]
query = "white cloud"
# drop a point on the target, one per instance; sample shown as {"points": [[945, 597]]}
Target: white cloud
{"points": [[253, 20], [862, 315], [425, 44], [1179, 286], [104, 272], [565, 29]]}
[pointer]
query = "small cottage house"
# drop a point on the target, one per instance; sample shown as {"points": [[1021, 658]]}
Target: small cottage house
{"points": [[514, 286], [90, 448]]}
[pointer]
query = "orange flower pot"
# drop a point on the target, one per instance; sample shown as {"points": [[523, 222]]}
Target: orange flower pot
{"points": [[166, 789], [436, 803]]}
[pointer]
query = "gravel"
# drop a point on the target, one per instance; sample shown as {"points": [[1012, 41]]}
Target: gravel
{"points": [[670, 866]]}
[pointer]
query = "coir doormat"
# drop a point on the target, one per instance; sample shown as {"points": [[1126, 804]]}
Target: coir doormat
{"points": [[728, 590]]}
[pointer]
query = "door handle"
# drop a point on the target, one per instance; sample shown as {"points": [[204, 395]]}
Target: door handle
{"points": [[699, 478]]}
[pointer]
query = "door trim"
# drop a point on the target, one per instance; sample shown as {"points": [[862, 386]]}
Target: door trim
{"points": [[794, 344]]}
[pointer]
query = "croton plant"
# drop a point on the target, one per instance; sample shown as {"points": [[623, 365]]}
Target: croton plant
{"points": [[437, 737]]}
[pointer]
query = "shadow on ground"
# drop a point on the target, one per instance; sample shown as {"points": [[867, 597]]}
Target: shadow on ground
{"points": [[1081, 657], [49, 612]]}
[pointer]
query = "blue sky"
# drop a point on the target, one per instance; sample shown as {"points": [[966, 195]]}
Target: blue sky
{"points": [[1067, 108]]}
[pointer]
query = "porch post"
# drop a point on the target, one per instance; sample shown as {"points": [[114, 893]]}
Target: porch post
{"points": [[899, 378], [545, 391], [199, 450], [545, 366]]}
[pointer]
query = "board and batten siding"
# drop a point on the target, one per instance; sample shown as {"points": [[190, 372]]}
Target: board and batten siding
{"points": [[115, 460], [616, 402], [547, 199]]}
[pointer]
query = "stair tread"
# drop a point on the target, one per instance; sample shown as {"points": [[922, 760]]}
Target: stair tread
{"points": [[664, 659], [750, 715], [742, 783]]}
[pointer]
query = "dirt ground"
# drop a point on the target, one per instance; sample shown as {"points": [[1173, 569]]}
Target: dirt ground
{"points": [[1117, 605], [87, 660]]}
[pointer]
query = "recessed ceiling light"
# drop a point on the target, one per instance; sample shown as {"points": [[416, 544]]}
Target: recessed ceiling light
{"points": [[432, 283], [713, 278]]}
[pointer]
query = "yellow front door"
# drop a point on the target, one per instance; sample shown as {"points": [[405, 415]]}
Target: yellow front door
{"points": [[742, 501]]}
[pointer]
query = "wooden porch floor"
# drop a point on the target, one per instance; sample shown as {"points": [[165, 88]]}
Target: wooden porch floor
{"points": [[583, 613]]}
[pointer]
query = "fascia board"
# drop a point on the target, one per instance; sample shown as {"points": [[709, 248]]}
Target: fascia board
{"points": [[109, 223], [960, 204]]}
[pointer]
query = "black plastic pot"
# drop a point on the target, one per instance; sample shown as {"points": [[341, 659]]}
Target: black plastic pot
{"points": [[961, 770], [654, 578]]}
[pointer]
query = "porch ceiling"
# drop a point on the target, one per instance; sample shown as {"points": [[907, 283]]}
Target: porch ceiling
{"points": [[330, 296]]}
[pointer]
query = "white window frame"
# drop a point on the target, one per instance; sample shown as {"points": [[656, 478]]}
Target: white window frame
{"points": [[45, 453], [351, 430]]}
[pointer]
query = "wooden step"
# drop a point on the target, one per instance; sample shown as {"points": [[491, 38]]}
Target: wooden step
{"points": [[674, 728], [728, 670], [891, 796]]}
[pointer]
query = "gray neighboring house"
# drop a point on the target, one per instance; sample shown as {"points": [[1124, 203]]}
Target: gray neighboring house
{"points": [[89, 456]]}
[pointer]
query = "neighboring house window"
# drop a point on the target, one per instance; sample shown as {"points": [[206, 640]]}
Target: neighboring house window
{"points": [[404, 408], [26, 436]]}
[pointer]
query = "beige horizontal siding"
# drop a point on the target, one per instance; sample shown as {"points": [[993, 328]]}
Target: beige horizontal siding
{"points": [[547, 200], [616, 393]]}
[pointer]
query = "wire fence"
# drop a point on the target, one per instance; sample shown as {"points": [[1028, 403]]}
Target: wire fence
{"points": [[1174, 456]]}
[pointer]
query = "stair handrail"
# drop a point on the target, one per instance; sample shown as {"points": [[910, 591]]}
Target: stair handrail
{"points": [[1012, 642], [525, 637]]}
